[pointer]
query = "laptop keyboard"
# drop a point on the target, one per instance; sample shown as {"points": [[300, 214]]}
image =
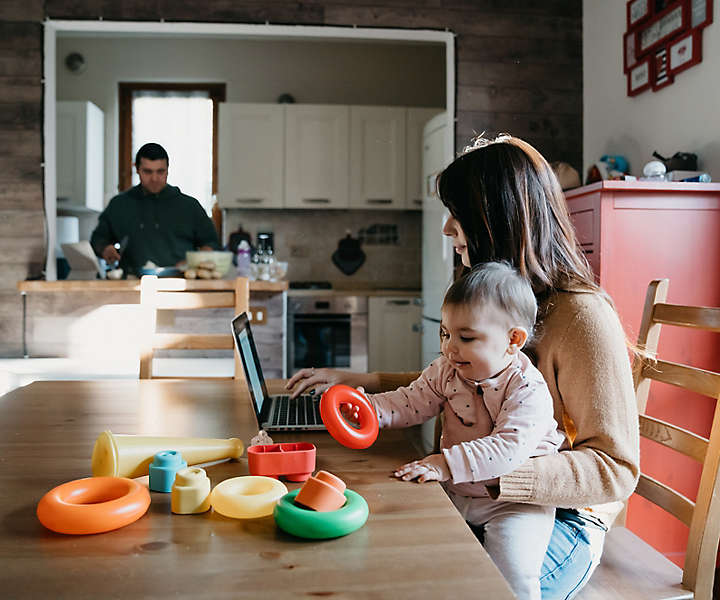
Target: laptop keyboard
{"points": [[304, 410]]}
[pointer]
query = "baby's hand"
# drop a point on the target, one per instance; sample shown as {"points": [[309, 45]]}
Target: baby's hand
{"points": [[430, 468], [350, 411]]}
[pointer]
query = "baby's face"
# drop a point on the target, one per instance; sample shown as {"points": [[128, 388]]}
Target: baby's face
{"points": [[477, 340]]}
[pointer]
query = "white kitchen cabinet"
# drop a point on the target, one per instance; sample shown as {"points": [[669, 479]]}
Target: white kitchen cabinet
{"points": [[416, 118], [80, 152], [316, 156], [394, 333], [251, 144], [377, 157]]}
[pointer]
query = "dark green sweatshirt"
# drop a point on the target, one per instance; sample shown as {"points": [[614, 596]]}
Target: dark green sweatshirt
{"points": [[160, 227]]}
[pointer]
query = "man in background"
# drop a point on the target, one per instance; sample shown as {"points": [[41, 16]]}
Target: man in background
{"points": [[157, 222]]}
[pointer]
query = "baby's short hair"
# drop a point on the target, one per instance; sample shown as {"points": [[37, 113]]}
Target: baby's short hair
{"points": [[499, 283]]}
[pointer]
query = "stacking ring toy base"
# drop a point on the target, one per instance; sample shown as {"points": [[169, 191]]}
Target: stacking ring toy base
{"points": [[305, 523], [339, 428], [247, 497], [93, 505]]}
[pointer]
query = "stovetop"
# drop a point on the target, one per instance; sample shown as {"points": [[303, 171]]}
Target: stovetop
{"points": [[310, 285]]}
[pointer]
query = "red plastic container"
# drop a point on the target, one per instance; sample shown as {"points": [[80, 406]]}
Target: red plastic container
{"points": [[295, 461]]}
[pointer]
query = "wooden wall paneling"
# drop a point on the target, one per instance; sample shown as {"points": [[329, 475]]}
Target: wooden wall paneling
{"points": [[516, 99], [20, 143], [525, 125], [570, 8], [525, 50], [509, 72], [21, 250], [10, 322], [21, 10], [26, 195]]}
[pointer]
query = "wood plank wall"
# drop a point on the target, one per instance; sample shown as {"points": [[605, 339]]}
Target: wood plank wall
{"points": [[519, 69]]}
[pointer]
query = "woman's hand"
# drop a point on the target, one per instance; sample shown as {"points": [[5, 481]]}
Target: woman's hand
{"points": [[318, 380], [430, 468]]}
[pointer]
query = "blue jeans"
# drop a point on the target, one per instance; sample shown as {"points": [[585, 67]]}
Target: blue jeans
{"points": [[568, 562]]}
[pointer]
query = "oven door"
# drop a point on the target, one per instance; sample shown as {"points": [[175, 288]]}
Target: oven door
{"points": [[318, 338]]}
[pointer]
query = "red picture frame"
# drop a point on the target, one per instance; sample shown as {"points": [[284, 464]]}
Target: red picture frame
{"points": [[639, 78], [685, 52], [701, 13], [638, 11], [660, 75], [629, 56], [664, 26]]}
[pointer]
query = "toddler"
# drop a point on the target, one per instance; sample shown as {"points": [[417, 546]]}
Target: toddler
{"points": [[497, 412]]}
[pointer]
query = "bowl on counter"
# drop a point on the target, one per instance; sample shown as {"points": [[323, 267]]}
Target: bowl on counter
{"points": [[221, 260], [278, 270]]}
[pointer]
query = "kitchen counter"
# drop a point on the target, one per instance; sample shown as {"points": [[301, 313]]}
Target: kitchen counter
{"points": [[101, 320], [294, 293], [133, 285]]}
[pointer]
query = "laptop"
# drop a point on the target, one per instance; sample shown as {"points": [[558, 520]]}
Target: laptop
{"points": [[277, 412]]}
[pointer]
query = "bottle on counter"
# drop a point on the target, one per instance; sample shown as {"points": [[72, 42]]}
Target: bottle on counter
{"points": [[243, 259]]}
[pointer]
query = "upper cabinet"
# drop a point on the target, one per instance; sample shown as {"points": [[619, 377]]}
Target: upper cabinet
{"points": [[251, 143], [415, 122], [377, 157], [316, 156], [80, 152], [320, 156]]}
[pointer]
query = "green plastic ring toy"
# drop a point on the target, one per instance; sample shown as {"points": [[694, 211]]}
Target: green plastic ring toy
{"points": [[306, 523]]}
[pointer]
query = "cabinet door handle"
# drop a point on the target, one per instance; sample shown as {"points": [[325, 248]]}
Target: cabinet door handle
{"points": [[316, 200], [399, 302], [417, 201], [379, 200], [417, 328], [249, 200]]}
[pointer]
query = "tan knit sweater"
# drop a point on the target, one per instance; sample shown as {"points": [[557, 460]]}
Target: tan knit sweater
{"points": [[580, 350]]}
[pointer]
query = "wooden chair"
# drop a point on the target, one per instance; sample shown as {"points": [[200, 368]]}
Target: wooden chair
{"points": [[180, 294], [630, 568]]}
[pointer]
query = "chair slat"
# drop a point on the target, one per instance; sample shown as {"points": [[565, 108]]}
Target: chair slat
{"points": [[690, 378], [666, 498], [192, 300], [696, 317], [671, 436], [193, 341]]}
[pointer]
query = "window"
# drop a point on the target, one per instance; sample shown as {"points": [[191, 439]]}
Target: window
{"points": [[183, 119]]}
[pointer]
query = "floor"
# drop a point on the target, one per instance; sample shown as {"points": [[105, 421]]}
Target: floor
{"points": [[17, 372]]}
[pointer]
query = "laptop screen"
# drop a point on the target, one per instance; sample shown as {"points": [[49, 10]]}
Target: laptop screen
{"points": [[248, 353]]}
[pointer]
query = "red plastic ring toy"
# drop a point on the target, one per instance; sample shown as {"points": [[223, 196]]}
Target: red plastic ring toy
{"points": [[93, 505], [339, 428]]}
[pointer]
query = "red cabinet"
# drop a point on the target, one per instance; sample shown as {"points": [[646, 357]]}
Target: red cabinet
{"points": [[633, 232]]}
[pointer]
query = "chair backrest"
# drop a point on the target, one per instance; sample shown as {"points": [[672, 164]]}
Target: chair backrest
{"points": [[181, 294], [703, 515]]}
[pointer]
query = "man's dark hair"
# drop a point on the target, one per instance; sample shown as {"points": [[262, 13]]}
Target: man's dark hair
{"points": [[151, 151]]}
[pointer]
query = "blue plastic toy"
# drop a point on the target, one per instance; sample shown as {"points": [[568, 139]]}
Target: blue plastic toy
{"points": [[163, 468]]}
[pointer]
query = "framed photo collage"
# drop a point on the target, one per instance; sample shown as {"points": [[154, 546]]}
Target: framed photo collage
{"points": [[663, 38]]}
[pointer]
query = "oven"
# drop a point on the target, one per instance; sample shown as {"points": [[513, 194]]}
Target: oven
{"points": [[327, 331]]}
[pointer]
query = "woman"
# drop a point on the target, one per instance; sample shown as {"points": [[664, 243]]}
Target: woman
{"points": [[506, 204]]}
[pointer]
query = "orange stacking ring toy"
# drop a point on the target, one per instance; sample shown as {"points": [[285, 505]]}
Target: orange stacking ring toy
{"points": [[360, 438], [93, 505]]}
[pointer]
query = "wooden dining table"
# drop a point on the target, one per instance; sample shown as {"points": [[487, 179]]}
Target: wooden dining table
{"points": [[414, 544]]}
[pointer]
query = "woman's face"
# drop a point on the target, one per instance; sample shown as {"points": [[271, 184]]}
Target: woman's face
{"points": [[453, 230]]}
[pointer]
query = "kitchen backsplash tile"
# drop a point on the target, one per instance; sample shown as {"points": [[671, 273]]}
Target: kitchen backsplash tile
{"points": [[307, 239]]}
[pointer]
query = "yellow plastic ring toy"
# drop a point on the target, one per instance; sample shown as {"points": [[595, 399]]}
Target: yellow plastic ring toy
{"points": [[247, 497], [93, 505]]}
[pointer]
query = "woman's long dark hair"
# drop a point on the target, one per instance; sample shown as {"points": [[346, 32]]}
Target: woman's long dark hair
{"points": [[511, 208]]}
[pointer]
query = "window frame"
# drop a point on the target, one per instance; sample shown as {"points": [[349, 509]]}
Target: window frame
{"points": [[217, 93]]}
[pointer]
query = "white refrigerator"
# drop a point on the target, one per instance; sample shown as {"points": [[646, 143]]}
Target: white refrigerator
{"points": [[437, 250]]}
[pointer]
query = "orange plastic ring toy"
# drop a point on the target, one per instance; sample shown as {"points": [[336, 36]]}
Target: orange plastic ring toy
{"points": [[339, 428], [93, 505]]}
